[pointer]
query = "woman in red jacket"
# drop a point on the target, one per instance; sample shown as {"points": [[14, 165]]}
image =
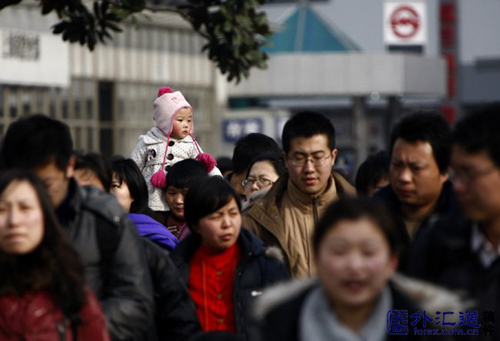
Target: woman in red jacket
{"points": [[42, 291]]}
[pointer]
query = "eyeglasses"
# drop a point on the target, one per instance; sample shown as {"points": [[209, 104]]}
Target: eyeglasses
{"points": [[262, 182], [302, 160], [467, 175]]}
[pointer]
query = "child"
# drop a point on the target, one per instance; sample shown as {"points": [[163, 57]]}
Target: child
{"points": [[224, 266], [179, 180], [170, 141]]}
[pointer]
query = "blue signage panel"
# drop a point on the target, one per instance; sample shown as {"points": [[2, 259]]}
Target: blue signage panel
{"points": [[233, 129]]}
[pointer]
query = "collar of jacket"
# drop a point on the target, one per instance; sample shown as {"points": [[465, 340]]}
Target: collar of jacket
{"points": [[266, 211], [447, 201], [250, 246]]}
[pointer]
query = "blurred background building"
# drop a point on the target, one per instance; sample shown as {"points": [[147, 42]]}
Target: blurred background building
{"points": [[363, 63]]}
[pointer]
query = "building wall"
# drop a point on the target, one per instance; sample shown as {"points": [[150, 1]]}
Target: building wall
{"points": [[108, 102]]}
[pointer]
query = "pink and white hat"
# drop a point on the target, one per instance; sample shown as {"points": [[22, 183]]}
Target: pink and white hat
{"points": [[166, 106]]}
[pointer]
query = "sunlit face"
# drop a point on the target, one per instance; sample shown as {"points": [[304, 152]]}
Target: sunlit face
{"points": [[182, 124], [56, 181], [122, 193], [262, 175], [175, 200], [220, 230], [354, 263], [310, 179], [414, 173], [477, 183], [21, 219]]}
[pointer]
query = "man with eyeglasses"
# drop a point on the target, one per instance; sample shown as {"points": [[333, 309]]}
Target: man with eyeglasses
{"points": [[420, 192], [287, 215], [464, 253]]}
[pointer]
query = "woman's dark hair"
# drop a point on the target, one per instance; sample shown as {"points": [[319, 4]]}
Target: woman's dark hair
{"points": [[276, 159], [355, 209], [206, 197], [53, 265], [185, 172], [126, 170], [97, 164]]}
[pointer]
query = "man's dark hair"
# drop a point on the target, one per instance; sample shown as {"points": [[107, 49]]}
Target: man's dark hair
{"points": [[307, 124], [371, 171], [97, 164], [353, 209], [126, 170], [250, 146], [206, 197], [35, 141], [480, 132], [185, 172], [426, 127]]}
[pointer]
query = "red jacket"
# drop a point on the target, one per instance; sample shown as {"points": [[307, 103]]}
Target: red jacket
{"points": [[35, 316]]}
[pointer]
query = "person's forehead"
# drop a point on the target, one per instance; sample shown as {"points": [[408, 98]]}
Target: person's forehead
{"points": [[309, 144], [416, 149], [479, 158]]}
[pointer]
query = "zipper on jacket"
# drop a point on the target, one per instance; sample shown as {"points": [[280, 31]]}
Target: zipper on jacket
{"points": [[315, 211]]}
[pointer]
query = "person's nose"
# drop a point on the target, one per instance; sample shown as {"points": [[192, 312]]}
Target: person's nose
{"points": [[405, 175], [309, 166], [255, 186], [355, 261], [179, 199], [226, 221], [14, 217], [459, 186]]}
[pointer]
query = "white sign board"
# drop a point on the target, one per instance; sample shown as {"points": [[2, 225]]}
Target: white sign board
{"points": [[405, 23], [33, 58]]}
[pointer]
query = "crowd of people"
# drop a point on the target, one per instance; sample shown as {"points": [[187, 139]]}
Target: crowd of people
{"points": [[164, 245]]}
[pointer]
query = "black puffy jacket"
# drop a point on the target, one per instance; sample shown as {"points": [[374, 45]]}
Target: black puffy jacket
{"points": [[175, 316], [256, 270], [114, 259]]}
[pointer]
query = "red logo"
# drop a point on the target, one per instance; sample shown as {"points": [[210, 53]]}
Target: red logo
{"points": [[405, 22]]}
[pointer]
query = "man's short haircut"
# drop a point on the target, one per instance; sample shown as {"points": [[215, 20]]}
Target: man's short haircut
{"points": [[184, 173], [371, 171], [307, 124], [249, 147], [426, 127], [480, 132], [35, 141]]}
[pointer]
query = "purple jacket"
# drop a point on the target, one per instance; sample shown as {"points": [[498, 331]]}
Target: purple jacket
{"points": [[153, 230]]}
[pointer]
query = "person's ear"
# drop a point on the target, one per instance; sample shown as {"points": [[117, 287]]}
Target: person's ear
{"points": [[70, 168], [335, 152], [393, 263]]}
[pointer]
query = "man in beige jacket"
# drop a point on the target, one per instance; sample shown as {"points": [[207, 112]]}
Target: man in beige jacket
{"points": [[287, 215]]}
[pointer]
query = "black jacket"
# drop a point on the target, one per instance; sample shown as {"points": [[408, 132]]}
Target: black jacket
{"points": [[175, 316], [282, 322], [447, 205], [112, 253], [254, 272], [446, 258]]}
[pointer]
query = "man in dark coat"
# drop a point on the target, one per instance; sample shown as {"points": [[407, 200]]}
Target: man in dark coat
{"points": [[465, 253], [96, 226], [419, 192]]}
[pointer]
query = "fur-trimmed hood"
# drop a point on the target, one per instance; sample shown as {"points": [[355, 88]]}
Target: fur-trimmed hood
{"points": [[427, 296]]}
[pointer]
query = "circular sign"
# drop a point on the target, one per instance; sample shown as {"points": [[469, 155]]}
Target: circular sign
{"points": [[405, 22]]}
